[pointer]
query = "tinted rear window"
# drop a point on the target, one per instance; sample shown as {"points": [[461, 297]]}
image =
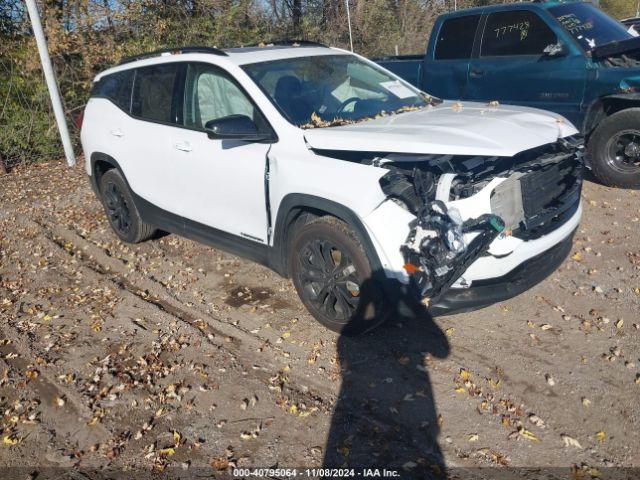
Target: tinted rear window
{"points": [[455, 39], [117, 88], [153, 93], [517, 32]]}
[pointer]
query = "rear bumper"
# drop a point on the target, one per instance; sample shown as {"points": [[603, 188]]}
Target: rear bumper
{"points": [[486, 292]]}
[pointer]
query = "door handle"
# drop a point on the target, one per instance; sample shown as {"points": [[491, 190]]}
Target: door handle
{"points": [[183, 146], [475, 73], [116, 132]]}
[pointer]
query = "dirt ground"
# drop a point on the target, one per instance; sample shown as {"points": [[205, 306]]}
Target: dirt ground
{"points": [[172, 356]]}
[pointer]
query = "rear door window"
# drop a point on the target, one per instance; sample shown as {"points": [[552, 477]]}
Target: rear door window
{"points": [[117, 88], [455, 39], [153, 93], [516, 32]]}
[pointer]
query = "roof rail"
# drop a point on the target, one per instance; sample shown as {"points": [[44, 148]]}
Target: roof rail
{"points": [[173, 51], [288, 42]]}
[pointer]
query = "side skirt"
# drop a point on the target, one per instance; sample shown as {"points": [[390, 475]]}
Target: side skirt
{"points": [[234, 244]]}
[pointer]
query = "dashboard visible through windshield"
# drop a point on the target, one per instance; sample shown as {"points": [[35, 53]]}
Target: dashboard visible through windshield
{"points": [[327, 90]]}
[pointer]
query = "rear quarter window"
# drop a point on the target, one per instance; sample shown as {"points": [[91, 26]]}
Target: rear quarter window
{"points": [[515, 32], [117, 88], [455, 38]]}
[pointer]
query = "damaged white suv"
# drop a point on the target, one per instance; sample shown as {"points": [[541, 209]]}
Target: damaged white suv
{"points": [[333, 171]]}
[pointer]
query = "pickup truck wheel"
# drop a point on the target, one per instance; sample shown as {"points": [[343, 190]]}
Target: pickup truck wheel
{"points": [[122, 213], [615, 149], [332, 275]]}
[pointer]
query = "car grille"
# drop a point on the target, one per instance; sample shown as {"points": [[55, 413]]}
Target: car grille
{"points": [[550, 195]]}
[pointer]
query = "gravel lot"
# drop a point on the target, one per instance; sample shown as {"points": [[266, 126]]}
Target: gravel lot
{"points": [[171, 355]]}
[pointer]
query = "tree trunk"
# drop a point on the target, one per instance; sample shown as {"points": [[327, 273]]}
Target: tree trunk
{"points": [[3, 166], [296, 15]]}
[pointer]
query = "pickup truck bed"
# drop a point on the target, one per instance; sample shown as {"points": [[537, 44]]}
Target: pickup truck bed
{"points": [[408, 67]]}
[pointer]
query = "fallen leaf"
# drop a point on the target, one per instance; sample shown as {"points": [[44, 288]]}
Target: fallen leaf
{"points": [[528, 434], [570, 441], [403, 360], [10, 440], [219, 463], [536, 420], [601, 436], [167, 452]]}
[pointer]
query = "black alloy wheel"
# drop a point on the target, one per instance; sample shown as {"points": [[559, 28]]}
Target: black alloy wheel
{"points": [[123, 216], [329, 278], [117, 209], [333, 277]]}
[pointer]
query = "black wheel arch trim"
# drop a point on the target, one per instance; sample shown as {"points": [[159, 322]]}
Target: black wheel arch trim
{"points": [[606, 106], [103, 157], [274, 257], [288, 210]]}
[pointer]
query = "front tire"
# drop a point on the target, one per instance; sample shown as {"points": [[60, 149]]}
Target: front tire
{"points": [[333, 277], [123, 216], [615, 149]]}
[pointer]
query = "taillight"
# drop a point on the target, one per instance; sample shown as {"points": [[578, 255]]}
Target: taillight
{"points": [[78, 118]]}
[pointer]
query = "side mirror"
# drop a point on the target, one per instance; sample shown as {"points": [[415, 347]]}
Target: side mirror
{"points": [[554, 50], [235, 127]]}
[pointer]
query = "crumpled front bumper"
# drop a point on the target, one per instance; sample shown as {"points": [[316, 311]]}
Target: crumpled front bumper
{"points": [[486, 292]]}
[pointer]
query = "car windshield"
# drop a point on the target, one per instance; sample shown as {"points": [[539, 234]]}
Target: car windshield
{"points": [[328, 90], [589, 25]]}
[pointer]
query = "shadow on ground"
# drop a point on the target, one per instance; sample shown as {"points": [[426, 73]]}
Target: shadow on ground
{"points": [[385, 415]]}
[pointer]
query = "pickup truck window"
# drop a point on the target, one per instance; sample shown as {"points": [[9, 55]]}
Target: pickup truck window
{"points": [[515, 32], [589, 25], [455, 38], [326, 90]]}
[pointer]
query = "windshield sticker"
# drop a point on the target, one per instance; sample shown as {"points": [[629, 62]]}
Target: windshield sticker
{"points": [[574, 24], [521, 27], [398, 89]]}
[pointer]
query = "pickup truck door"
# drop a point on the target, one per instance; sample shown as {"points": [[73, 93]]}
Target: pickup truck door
{"points": [[446, 65], [510, 65]]}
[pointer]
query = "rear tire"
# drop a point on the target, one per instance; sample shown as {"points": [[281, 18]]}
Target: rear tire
{"points": [[614, 147], [333, 277], [123, 216]]}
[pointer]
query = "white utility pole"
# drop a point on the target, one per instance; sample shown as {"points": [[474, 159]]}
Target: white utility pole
{"points": [[346, 4], [52, 84]]}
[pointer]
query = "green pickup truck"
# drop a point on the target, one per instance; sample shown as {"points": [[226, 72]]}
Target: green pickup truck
{"points": [[567, 57]]}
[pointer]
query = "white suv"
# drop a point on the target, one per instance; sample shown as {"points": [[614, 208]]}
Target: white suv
{"points": [[333, 171]]}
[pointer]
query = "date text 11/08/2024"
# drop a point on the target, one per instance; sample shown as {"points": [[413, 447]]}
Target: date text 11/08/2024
{"points": [[316, 472]]}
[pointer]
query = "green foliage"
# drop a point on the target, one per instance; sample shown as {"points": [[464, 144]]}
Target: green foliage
{"points": [[619, 8]]}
